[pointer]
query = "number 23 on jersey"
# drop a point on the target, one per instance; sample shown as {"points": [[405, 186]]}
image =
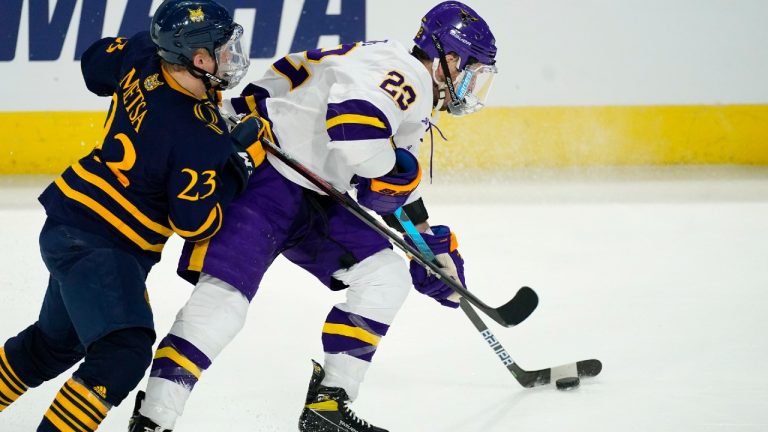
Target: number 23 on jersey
{"points": [[394, 85]]}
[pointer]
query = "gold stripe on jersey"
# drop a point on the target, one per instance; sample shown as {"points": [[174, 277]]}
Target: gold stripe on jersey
{"points": [[173, 84], [352, 332], [355, 118], [120, 199], [251, 102], [208, 115], [107, 216], [213, 216], [179, 359], [11, 387], [197, 258]]}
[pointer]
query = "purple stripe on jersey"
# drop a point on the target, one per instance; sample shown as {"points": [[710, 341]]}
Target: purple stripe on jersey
{"points": [[240, 106], [185, 348], [356, 106], [338, 316], [167, 369], [357, 131], [256, 91], [260, 94]]}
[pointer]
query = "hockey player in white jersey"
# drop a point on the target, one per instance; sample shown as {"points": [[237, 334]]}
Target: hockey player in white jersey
{"points": [[355, 116]]}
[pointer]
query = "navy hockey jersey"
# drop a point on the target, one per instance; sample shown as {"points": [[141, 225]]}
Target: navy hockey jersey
{"points": [[159, 167]]}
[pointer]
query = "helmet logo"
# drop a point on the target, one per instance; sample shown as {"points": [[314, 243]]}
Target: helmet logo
{"points": [[466, 17], [196, 15]]}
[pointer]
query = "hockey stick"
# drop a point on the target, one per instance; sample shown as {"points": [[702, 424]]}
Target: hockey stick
{"points": [[584, 368], [528, 379], [508, 315]]}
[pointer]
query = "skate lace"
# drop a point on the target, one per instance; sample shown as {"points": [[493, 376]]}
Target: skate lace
{"points": [[352, 416]]}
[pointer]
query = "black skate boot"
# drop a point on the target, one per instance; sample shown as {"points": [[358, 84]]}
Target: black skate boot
{"points": [[327, 409], [139, 423]]}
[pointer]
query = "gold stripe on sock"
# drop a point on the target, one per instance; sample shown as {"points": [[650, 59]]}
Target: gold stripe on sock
{"points": [[75, 399], [87, 398], [76, 411], [57, 421], [8, 376]]}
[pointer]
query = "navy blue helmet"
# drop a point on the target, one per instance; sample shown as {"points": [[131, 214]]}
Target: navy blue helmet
{"points": [[181, 27]]}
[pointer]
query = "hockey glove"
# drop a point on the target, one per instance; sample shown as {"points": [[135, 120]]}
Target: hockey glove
{"points": [[247, 151], [386, 193], [443, 244]]}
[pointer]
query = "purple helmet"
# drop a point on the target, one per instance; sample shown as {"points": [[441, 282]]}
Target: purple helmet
{"points": [[461, 30]]}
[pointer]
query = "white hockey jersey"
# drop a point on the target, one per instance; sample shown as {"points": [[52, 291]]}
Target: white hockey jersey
{"points": [[340, 111]]}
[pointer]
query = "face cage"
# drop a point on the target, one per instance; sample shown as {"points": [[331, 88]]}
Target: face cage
{"points": [[232, 60], [472, 87]]}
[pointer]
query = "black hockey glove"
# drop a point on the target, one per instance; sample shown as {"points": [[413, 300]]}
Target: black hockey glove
{"points": [[247, 152]]}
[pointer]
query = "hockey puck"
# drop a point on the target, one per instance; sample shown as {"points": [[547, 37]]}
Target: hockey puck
{"points": [[567, 383]]}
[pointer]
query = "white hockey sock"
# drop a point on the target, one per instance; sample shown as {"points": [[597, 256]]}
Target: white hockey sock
{"points": [[346, 372]]}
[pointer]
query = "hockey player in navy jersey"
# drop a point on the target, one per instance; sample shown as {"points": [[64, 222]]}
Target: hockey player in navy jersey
{"points": [[354, 115], [167, 163]]}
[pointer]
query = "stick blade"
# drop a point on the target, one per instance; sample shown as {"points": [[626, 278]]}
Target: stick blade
{"points": [[589, 368], [584, 368], [519, 308]]}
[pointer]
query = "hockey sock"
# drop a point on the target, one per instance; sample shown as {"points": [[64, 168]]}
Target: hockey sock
{"points": [[75, 409], [212, 317], [179, 361], [349, 342], [177, 367], [11, 387]]}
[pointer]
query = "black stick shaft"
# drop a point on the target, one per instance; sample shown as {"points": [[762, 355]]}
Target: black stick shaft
{"points": [[372, 222]]}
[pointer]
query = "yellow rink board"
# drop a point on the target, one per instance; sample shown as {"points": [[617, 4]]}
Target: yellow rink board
{"points": [[496, 139]]}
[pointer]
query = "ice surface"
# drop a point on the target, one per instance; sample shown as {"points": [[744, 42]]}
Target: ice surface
{"points": [[661, 274]]}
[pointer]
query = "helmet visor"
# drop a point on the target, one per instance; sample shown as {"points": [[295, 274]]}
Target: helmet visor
{"points": [[232, 60], [472, 86]]}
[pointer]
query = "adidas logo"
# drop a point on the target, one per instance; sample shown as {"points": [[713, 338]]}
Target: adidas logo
{"points": [[101, 391]]}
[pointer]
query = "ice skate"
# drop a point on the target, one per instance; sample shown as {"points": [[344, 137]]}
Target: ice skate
{"points": [[139, 423], [327, 409]]}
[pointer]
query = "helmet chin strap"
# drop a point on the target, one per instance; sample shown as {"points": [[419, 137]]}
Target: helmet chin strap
{"points": [[206, 77], [448, 83], [439, 85]]}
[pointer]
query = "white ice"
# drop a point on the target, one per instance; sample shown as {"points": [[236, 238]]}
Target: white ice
{"points": [[660, 273]]}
